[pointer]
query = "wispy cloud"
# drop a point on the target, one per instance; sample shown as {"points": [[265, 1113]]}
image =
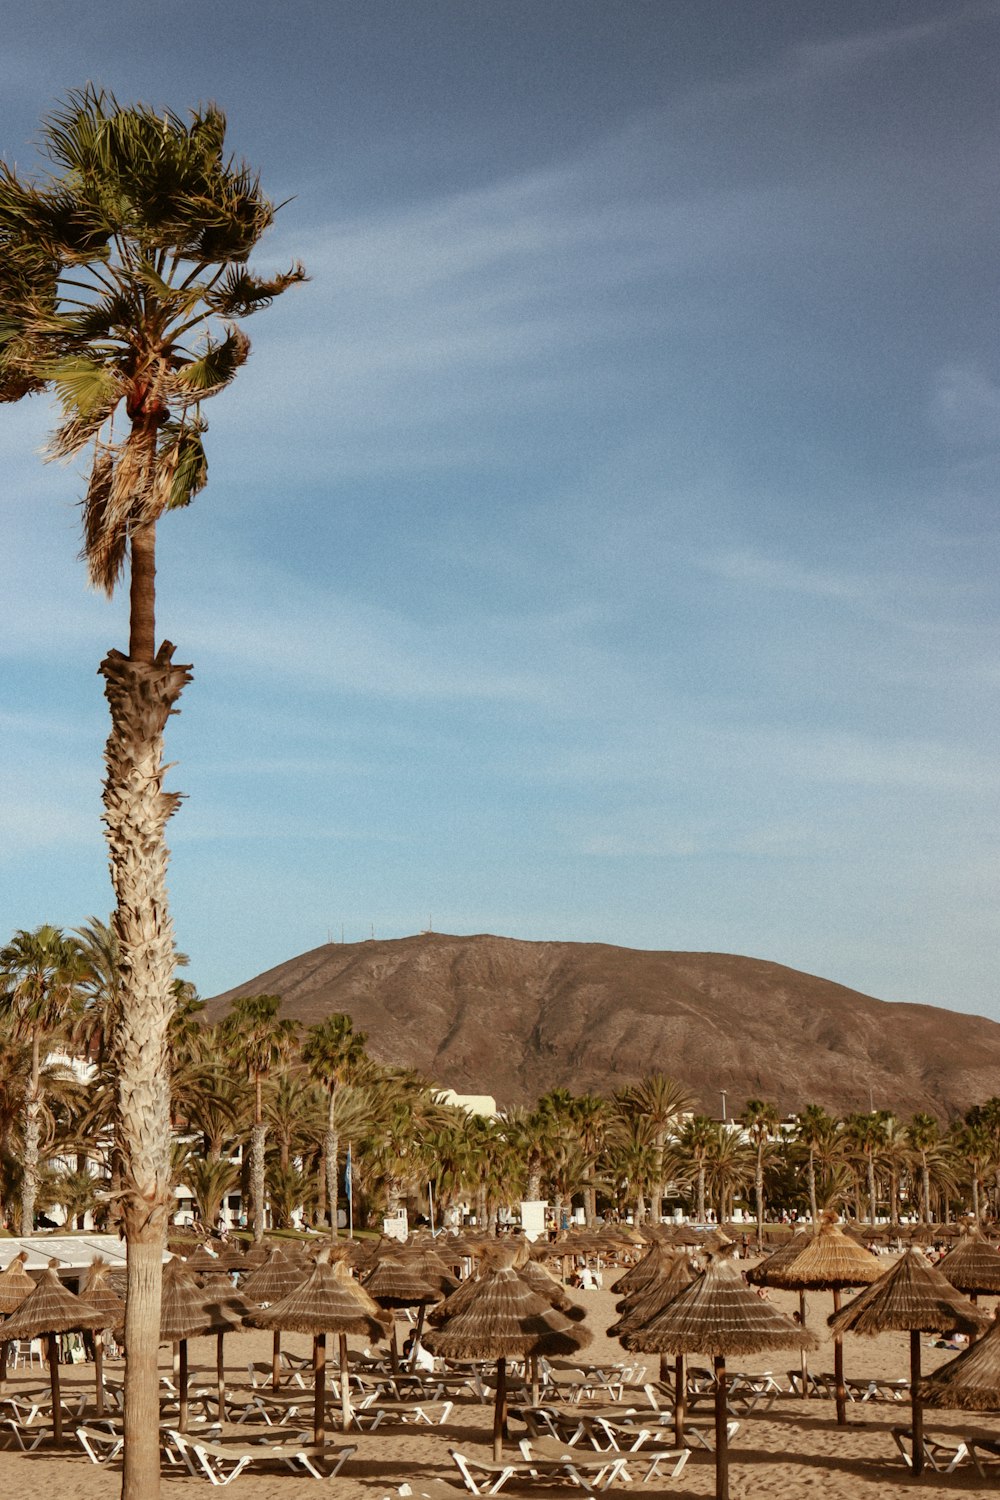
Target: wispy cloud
{"points": [[965, 406]]}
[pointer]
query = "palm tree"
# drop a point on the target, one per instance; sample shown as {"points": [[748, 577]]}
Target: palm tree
{"points": [[41, 973], [727, 1167], [121, 280], [761, 1122], [664, 1102], [695, 1141], [865, 1134], [260, 1039], [815, 1131], [923, 1134], [335, 1054]]}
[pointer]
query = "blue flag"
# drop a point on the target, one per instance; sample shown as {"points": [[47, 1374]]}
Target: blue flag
{"points": [[348, 1176]]}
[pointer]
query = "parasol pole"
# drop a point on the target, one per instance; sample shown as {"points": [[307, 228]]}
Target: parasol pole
{"points": [[276, 1360], [802, 1352], [838, 1367], [220, 1372], [345, 1385], [533, 1366], [500, 1410], [430, 1205], [53, 1353], [99, 1372], [721, 1430], [916, 1406], [182, 1400], [319, 1382], [3, 1362], [680, 1398]]}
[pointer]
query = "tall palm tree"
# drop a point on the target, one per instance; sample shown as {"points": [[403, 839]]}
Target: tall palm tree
{"points": [[923, 1133], [260, 1039], [122, 277], [761, 1121], [335, 1054], [815, 1131], [695, 1141], [865, 1134], [664, 1102], [40, 977]]}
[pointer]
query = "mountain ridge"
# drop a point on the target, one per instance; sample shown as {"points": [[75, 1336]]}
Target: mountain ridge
{"points": [[512, 1018]]}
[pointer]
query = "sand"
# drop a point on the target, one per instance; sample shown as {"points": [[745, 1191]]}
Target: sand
{"points": [[794, 1449]]}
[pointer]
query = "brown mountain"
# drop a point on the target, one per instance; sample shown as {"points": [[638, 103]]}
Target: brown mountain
{"points": [[497, 1016]]}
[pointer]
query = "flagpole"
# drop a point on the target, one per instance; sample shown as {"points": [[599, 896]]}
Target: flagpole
{"points": [[349, 1189]]}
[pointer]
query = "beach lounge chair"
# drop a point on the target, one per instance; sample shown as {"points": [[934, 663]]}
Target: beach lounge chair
{"points": [[985, 1454], [940, 1454], [482, 1477], [593, 1472], [101, 1444], [221, 1463]]}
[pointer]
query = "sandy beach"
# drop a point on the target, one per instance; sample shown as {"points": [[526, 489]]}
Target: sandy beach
{"points": [[795, 1448]]}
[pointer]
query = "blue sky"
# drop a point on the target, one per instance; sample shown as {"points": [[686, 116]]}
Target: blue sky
{"points": [[602, 546]]}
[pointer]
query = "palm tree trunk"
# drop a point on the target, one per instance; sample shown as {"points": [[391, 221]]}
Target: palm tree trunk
{"points": [[926, 1176], [701, 1193], [813, 1206], [141, 695], [871, 1189], [258, 1140], [332, 1144], [759, 1194], [29, 1178]]}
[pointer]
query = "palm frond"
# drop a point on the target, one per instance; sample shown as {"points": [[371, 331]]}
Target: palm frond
{"points": [[104, 544], [81, 385], [213, 371], [240, 293]]}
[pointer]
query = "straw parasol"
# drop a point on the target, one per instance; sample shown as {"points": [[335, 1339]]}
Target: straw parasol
{"points": [[224, 1309], [973, 1266], [831, 1261], [274, 1279], [15, 1284], [645, 1271], [718, 1315], [971, 1381], [912, 1297], [96, 1289], [501, 1317], [50, 1309], [328, 1301], [400, 1280], [182, 1317], [642, 1306]]}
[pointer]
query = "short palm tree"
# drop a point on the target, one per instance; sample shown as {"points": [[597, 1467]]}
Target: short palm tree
{"points": [[123, 277], [40, 977]]}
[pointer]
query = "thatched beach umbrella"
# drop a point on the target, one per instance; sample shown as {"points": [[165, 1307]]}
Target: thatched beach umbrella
{"points": [[50, 1309], [642, 1306], [224, 1309], [182, 1317], [272, 1281], [97, 1290], [399, 1281], [970, 1381], [973, 1266], [913, 1297], [328, 1301], [718, 1315], [501, 1317], [772, 1266], [646, 1271], [15, 1284], [831, 1261]]}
